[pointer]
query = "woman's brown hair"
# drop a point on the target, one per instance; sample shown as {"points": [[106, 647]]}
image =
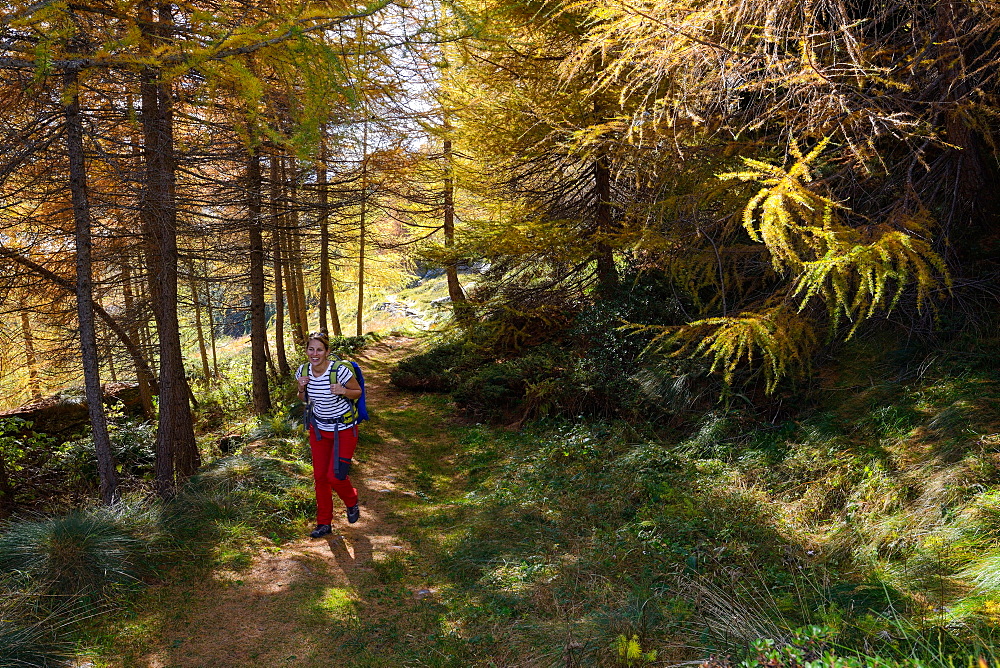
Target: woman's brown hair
{"points": [[321, 337]]}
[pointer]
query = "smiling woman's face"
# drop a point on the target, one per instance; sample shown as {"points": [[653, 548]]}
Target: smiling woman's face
{"points": [[316, 351]]}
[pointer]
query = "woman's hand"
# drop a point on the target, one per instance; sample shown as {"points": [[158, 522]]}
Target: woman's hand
{"points": [[352, 390], [302, 381]]}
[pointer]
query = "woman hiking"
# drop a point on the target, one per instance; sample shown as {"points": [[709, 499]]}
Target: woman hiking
{"points": [[333, 429]]}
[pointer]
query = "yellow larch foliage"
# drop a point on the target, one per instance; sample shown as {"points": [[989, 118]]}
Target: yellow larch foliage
{"points": [[779, 337], [856, 271]]}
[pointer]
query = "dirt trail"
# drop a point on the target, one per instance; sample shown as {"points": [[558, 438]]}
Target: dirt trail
{"points": [[315, 602]]}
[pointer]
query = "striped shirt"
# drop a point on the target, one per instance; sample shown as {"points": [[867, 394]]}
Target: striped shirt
{"points": [[328, 409]]}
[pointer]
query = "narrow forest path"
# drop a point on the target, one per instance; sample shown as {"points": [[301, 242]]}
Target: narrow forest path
{"points": [[356, 598]]}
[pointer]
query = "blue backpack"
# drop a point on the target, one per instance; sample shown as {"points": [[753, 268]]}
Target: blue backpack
{"points": [[359, 410], [360, 407]]}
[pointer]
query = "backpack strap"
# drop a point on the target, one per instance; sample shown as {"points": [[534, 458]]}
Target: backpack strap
{"points": [[351, 416], [303, 370]]}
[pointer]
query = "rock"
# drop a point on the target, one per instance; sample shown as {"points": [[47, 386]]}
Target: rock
{"points": [[423, 593], [230, 442], [66, 412]]}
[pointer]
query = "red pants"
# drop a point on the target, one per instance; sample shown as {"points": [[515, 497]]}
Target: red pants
{"points": [[323, 471]]}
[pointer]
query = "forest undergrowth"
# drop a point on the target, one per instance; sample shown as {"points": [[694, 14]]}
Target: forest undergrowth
{"points": [[861, 528]]}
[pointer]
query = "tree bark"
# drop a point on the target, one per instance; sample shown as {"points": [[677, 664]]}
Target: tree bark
{"points": [[210, 312], [296, 245], [458, 303], [143, 376], [34, 387], [288, 236], [202, 350], [176, 450], [334, 312], [607, 273], [279, 297], [85, 293], [324, 232], [258, 324], [361, 236]]}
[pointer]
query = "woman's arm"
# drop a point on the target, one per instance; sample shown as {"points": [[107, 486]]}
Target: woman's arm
{"points": [[352, 390]]}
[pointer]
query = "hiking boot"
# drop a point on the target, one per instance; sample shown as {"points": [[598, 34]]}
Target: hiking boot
{"points": [[353, 513], [321, 530]]}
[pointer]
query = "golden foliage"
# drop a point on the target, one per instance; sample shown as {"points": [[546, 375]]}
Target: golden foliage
{"points": [[779, 337], [855, 271], [793, 220]]}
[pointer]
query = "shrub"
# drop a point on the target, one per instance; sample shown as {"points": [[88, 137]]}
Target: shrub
{"points": [[133, 447], [436, 370], [502, 386], [279, 424], [351, 345], [588, 361]]}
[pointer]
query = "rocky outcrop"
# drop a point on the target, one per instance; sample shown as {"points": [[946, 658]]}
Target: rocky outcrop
{"points": [[65, 413]]}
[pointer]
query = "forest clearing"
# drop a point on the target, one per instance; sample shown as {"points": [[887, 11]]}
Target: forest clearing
{"points": [[677, 323]]}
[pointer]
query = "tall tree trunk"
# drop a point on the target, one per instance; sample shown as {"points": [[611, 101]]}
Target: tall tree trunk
{"points": [[607, 273], [334, 312], [85, 293], [193, 286], [291, 290], [290, 258], [176, 449], [361, 237], [143, 378], [324, 232], [111, 363], [296, 245], [146, 325], [34, 387], [210, 312], [458, 303], [279, 297], [258, 324]]}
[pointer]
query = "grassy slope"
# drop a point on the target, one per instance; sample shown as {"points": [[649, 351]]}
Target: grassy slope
{"points": [[874, 514]]}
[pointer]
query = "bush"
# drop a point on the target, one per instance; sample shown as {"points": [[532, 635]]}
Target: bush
{"points": [[437, 370], [133, 445], [351, 345], [501, 387], [588, 362]]}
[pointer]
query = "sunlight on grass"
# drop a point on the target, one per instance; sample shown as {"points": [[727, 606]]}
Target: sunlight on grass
{"points": [[336, 602]]}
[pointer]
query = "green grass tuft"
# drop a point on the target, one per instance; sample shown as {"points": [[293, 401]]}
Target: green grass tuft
{"points": [[85, 554]]}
